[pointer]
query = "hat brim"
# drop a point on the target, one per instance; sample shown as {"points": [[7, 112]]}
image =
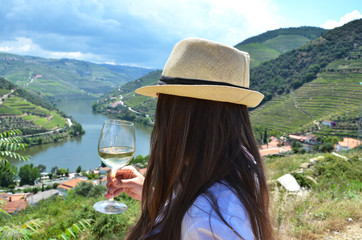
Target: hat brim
{"points": [[208, 92]]}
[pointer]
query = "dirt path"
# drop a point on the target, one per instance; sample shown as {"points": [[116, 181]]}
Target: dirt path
{"points": [[4, 97], [299, 108]]}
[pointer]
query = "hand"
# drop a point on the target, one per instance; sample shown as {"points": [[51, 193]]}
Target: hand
{"points": [[128, 180]]}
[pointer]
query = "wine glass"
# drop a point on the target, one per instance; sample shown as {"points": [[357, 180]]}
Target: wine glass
{"points": [[116, 147]]}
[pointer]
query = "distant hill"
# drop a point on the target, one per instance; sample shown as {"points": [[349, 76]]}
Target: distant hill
{"points": [[271, 44], [65, 78], [271, 40], [315, 88], [23, 110], [302, 87], [144, 106]]}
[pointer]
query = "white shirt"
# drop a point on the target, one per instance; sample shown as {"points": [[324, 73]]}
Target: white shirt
{"points": [[201, 222]]}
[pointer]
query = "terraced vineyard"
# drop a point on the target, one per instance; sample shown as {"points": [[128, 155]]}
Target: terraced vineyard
{"points": [[336, 96], [38, 121], [17, 113]]}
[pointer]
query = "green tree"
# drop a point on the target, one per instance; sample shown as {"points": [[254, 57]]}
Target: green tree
{"points": [[88, 189], [331, 139], [79, 169], [97, 190], [42, 167], [28, 174], [83, 188], [76, 129], [327, 147], [62, 172], [54, 169], [7, 175], [50, 175]]}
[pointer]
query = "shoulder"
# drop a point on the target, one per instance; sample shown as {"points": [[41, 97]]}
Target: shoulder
{"points": [[202, 222]]}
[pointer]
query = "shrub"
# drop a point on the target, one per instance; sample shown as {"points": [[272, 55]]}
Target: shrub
{"points": [[327, 147], [83, 188], [338, 175], [303, 180], [97, 190]]}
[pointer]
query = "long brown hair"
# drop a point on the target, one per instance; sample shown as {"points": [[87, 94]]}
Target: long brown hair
{"points": [[194, 144]]}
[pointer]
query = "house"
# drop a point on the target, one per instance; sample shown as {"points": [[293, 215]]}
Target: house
{"points": [[326, 123], [274, 147], [37, 76], [346, 144], [14, 202], [275, 150], [65, 186]]}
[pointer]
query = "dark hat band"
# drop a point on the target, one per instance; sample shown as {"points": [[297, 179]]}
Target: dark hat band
{"points": [[186, 81]]}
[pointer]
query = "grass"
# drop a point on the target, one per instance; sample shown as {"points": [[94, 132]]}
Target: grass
{"points": [[283, 43], [323, 208], [259, 53]]}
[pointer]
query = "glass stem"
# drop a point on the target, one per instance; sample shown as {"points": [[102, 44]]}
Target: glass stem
{"points": [[113, 175]]}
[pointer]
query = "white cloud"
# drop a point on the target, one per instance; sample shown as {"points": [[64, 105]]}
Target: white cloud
{"points": [[25, 46], [330, 24], [227, 21], [20, 45]]}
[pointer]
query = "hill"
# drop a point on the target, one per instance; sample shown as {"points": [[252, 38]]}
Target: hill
{"points": [[38, 120], [271, 44], [65, 78], [124, 103], [271, 40], [318, 81]]}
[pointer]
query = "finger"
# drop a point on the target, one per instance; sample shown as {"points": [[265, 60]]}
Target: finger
{"points": [[114, 192], [127, 183], [125, 174]]}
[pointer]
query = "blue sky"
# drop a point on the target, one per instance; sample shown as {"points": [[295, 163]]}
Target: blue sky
{"points": [[143, 32]]}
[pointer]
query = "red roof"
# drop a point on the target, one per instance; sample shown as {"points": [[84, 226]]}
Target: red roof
{"points": [[70, 184], [14, 202], [274, 150], [350, 142]]}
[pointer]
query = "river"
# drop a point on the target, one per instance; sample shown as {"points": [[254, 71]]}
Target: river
{"points": [[81, 151]]}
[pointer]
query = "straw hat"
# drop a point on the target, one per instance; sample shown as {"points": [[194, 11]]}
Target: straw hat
{"points": [[204, 69]]}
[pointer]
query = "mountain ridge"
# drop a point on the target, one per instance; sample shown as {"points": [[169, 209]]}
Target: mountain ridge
{"points": [[65, 78], [271, 44], [316, 60]]}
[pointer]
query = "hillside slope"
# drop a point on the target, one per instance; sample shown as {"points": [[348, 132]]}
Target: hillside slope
{"points": [[65, 78], [318, 81], [328, 105], [20, 109], [271, 44]]}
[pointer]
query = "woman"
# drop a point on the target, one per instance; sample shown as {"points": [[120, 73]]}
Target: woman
{"points": [[205, 177]]}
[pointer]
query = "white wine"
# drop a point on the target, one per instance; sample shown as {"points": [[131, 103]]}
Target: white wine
{"points": [[116, 157]]}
